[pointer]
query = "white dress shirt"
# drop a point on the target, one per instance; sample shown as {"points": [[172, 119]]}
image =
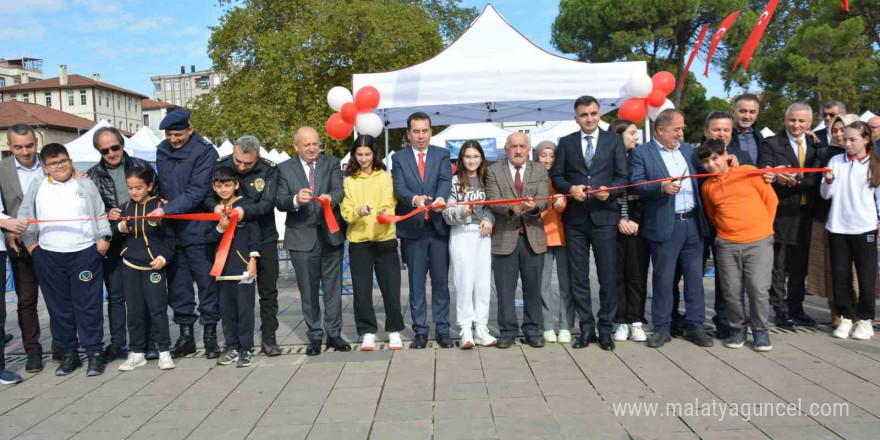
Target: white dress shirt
{"points": [[677, 166], [26, 176], [63, 200], [416, 156], [305, 166], [794, 146], [595, 137], [522, 173]]}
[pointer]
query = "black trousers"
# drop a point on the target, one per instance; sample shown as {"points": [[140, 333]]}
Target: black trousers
{"points": [[146, 294], [790, 263], [237, 313], [116, 296], [523, 263], [27, 290], [379, 257], [861, 250], [633, 257], [267, 288], [579, 239], [3, 315]]}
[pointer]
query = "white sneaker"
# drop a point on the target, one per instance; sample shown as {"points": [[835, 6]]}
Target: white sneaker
{"points": [[622, 332], [864, 330], [467, 338], [636, 332], [369, 343], [394, 342], [550, 336], [564, 337], [135, 360], [165, 362], [483, 337], [843, 329]]}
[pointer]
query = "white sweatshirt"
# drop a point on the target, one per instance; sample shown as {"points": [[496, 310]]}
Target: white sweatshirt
{"points": [[854, 204]]}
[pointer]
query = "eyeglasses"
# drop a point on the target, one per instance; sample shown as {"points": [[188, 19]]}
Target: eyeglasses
{"points": [[113, 148], [829, 115], [56, 165]]}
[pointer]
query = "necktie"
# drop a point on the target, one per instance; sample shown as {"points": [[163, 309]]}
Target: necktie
{"points": [[422, 174], [312, 176], [588, 157], [517, 185], [801, 161]]}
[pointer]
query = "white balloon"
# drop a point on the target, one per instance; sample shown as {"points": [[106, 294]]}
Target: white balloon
{"points": [[338, 96], [369, 124], [654, 111], [639, 85]]}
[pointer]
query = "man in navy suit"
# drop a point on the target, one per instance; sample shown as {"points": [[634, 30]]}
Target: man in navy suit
{"points": [[422, 176], [674, 226], [591, 159]]}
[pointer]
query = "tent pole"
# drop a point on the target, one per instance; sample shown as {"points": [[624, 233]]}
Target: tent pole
{"points": [[385, 123], [647, 129]]}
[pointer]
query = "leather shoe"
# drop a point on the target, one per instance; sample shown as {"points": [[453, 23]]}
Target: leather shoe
{"points": [[536, 341], [678, 327], [658, 339], [445, 341], [338, 344], [69, 363], [699, 336], [209, 337], [96, 365], [504, 342], [34, 363], [583, 341], [270, 347], [803, 319], [420, 341], [314, 348], [783, 319], [606, 342]]}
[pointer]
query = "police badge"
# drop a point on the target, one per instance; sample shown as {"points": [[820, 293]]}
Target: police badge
{"points": [[259, 184]]}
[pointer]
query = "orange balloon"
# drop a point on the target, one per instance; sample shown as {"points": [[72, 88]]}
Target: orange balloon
{"points": [[337, 128], [664, 81], [633, 109], [655, 99]]}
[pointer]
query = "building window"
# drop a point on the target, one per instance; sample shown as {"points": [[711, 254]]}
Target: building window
{"points": [[70, 98], [118, 103], [167, 85], [2, 82], [107, 97], [188, 84], [146, 120], [176, 84], [13, 96], [82, 97], [26, 97], [157, 86], [48, 99]]}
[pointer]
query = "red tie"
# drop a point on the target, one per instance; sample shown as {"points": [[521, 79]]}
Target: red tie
{"points": [[517, 184], [312, 176], [422, 174]]}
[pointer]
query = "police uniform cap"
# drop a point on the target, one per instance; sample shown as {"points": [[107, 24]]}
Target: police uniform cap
{"points": [[175, 120]]}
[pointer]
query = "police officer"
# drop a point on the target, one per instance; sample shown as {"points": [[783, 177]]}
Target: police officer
{"points": [[258, 179], [185, 162]]}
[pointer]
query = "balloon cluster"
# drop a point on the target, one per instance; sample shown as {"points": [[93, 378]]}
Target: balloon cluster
{"points": [[353, 112], [648, 96]]}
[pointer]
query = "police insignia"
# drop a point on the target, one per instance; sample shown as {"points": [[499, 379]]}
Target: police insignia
{"points": [[259, 184], [85, 276], [80, 194], [155, 278]]}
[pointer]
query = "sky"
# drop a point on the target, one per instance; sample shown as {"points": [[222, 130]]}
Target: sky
{"points": [[129, 41]]}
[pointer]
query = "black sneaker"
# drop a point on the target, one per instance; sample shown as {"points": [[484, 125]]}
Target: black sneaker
{"points": [[69, 363], [34, 363], [244, 359], [658, 339], [96, 365], [699, 336], [229, 356], [736, 339], [784, 320], [114, 352], [803, 319]]}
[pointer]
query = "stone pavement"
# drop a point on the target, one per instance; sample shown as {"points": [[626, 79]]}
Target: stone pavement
{"points": [[809, 386]]}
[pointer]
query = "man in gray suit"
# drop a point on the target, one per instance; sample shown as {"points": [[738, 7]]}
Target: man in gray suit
{"points": [[518, 239], [315, 253]]}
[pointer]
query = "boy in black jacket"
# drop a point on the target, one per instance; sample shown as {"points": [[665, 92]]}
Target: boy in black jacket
{"points": [[235, 284]]}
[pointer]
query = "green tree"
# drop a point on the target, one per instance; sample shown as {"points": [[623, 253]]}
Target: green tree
{"points": [[281, 57]]}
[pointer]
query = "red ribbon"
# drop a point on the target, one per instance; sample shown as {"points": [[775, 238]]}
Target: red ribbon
{"points": [[745, 56], [718, 35], [694, 52], [225, 243], [387, 218], [329, 218]]}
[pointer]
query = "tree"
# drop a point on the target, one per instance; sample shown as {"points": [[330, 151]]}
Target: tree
{"points": [[281, 57]]}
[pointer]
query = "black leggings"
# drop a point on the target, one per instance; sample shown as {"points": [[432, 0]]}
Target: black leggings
{"points": [[861, 250], [382, 258]]}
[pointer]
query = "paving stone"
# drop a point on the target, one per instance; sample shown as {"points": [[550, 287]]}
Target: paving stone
{"points": [[519, 406], [289, 415], [354, 395], [397, 393], [501, 390], [402, 430], [338, 413], [565, 387], [404, 411], [173, 434], [518, 427], [462, 409], [461, 391], [177, 419], [462, 429], [337, 431]]}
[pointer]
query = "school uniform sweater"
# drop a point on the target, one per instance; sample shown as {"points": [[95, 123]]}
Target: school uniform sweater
{"points": [[245, 244], [147, 239]]}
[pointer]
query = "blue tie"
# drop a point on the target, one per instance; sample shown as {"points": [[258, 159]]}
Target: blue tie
{"points": [[588, 157]]}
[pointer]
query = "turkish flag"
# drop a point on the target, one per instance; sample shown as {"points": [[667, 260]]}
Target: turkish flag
{"points": [[845, 5], [694, 52], [718, 35], [745, 56]]}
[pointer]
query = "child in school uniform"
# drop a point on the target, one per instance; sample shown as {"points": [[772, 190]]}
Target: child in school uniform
{"points": [[742, 208], [148, 248], [236, 296], [853, 186], [68, 257]]}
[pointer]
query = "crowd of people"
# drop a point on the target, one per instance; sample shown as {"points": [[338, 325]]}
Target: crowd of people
{"points": [[758, 221]]}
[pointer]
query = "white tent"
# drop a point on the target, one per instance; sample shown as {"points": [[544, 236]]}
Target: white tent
{"points": [[490, 136], [226, 148], [387, 161], [492, 73], [146, 137], [553, 130], [84, 154], [866, 115]]}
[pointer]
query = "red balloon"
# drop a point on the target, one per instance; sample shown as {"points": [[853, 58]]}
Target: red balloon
{"points": [[633, 109], [664, 81], [349, 112], [337, 128], [366, 99], [655, 99]]}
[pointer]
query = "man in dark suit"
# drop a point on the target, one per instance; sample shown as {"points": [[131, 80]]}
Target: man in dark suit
{"points": [[793, 223], [591, 159], [422, 176], [518, 240], [674, 225], [830, 110], [745, 114], [315, 253], [16, 174]]}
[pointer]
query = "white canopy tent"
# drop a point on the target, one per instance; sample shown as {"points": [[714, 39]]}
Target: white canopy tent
{"points": [[225, 148], [148, 142], [553, 130], [492, 73], [491, 137]]}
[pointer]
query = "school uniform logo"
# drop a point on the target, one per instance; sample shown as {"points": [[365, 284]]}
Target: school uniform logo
{"points": [[240, 224], [85, 276], [153, 222], [155, 278], [259, 184], [80, 194], [872, 238]]}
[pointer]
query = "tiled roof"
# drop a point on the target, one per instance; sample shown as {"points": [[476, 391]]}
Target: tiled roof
{"points": [[73, 82]]}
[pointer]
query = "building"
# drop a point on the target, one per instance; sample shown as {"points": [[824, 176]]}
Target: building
{"points": [[87, 98], [154, 112], [181, 88], [50, 125], [20, 70]]}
